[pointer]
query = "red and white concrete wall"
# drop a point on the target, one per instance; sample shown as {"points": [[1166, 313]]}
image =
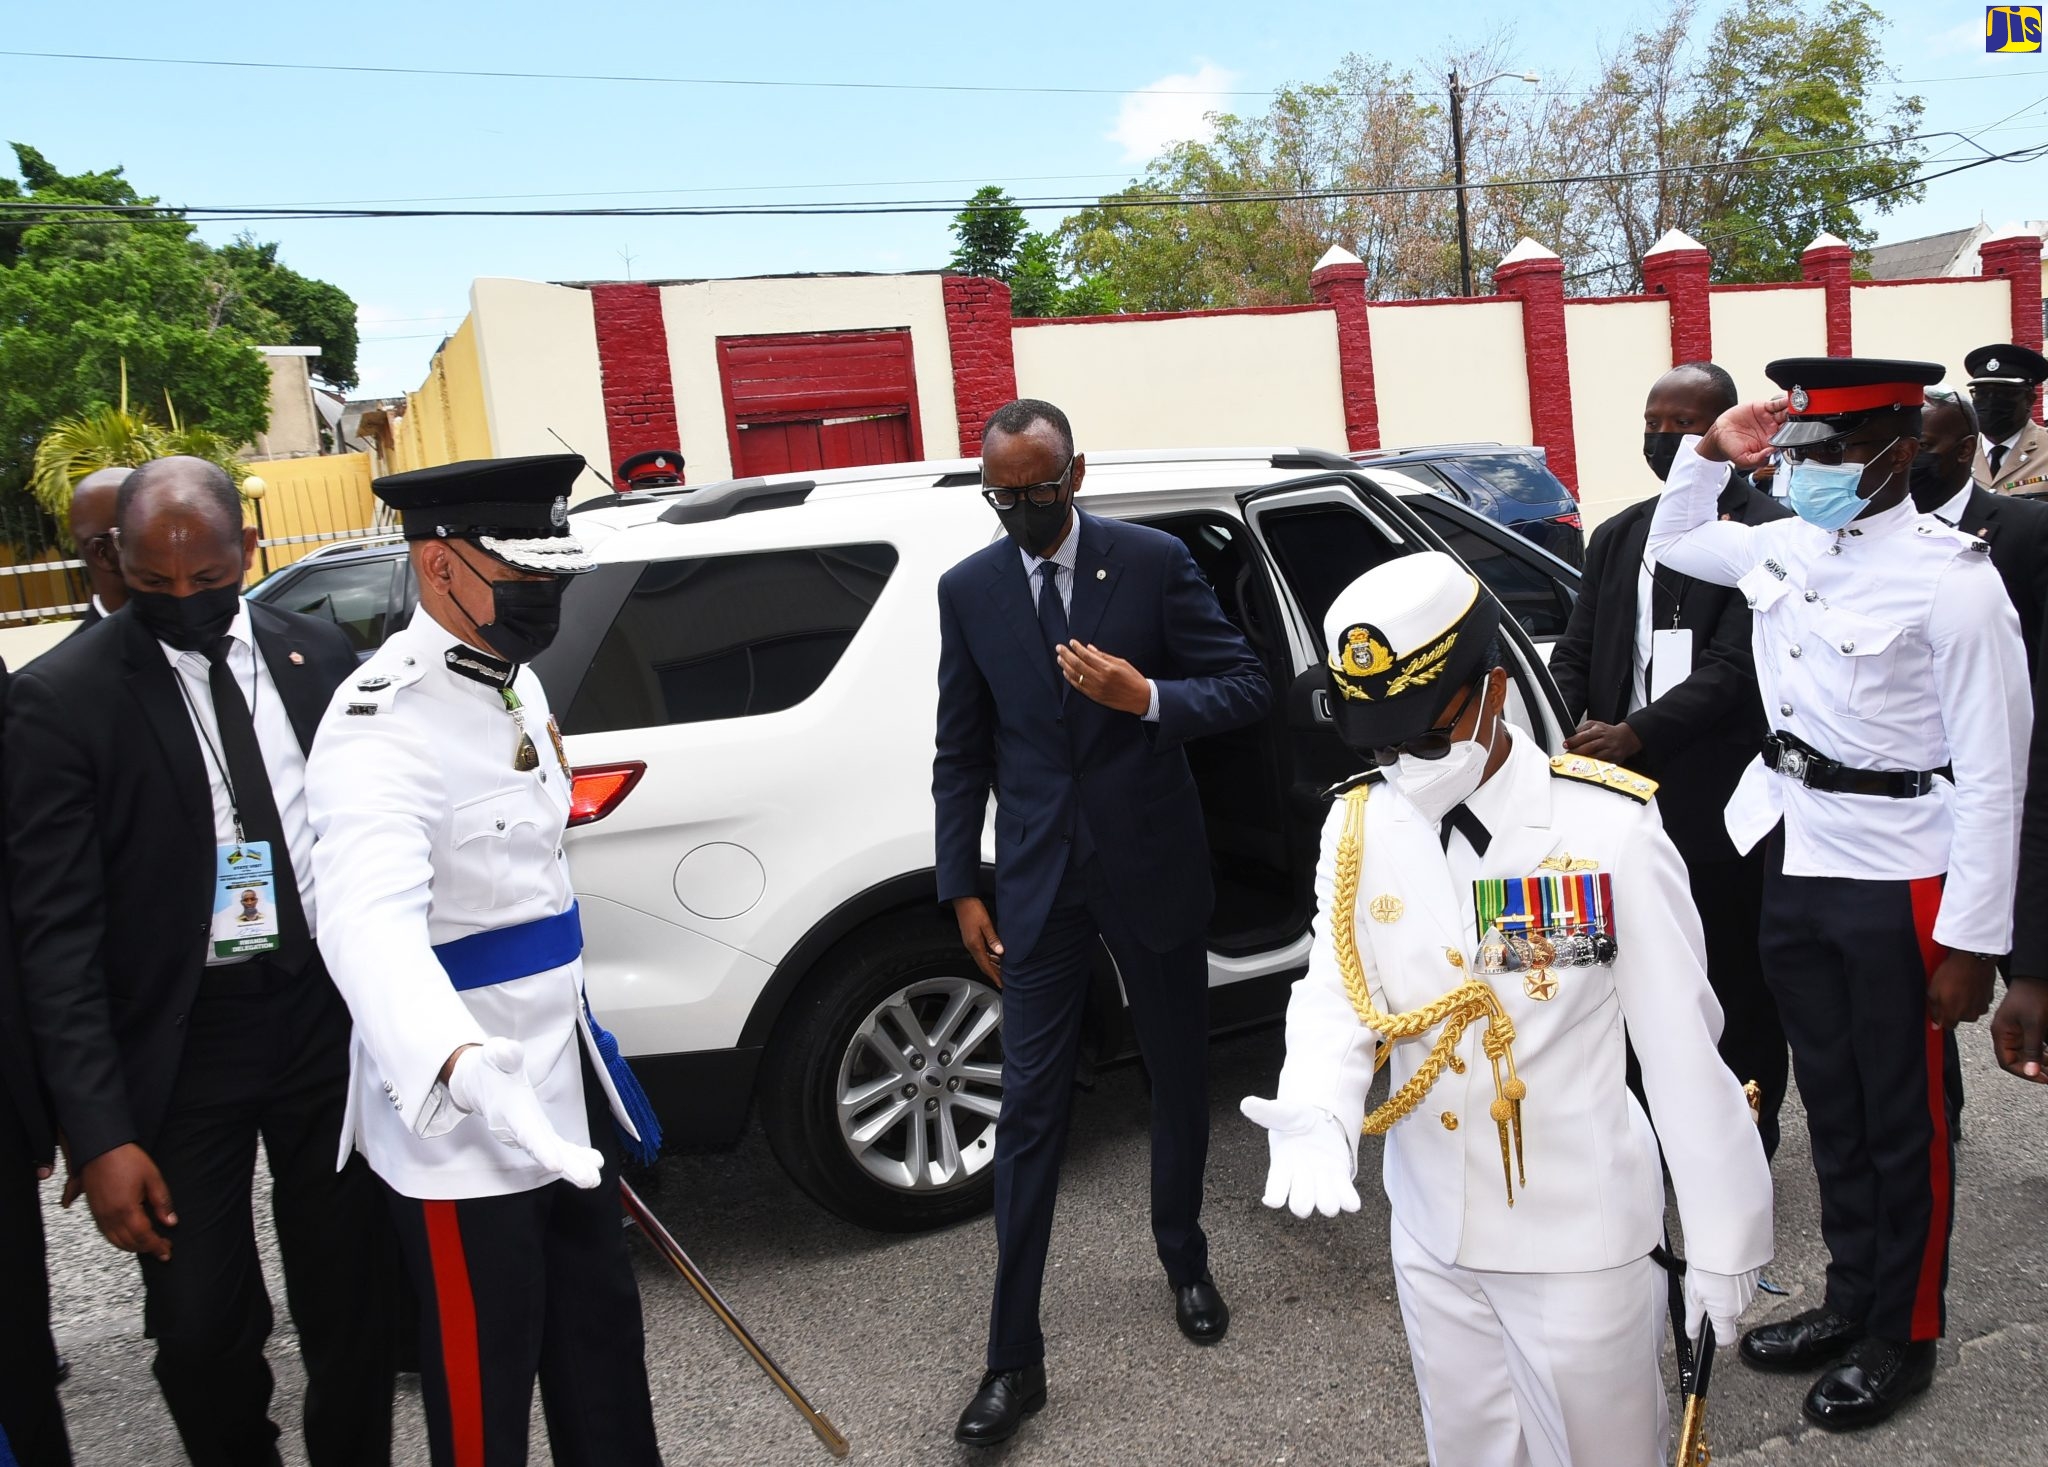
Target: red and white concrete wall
{"points": [[616, 368]]}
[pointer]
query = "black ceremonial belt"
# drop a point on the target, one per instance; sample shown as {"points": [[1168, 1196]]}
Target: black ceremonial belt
{"points": [[1799, 761]]}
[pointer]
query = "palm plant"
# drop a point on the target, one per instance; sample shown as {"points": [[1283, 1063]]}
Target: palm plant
{"points": [[110, 437]]}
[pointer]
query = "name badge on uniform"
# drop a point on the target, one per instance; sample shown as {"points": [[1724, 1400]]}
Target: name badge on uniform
{"points": [[1670, 659], [244, 900]]}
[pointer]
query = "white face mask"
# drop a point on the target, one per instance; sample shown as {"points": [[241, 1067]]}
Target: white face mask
{"points": [[1435, 787]]}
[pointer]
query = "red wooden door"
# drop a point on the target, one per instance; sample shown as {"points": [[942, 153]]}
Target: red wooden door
{"points": [[819, 401]]}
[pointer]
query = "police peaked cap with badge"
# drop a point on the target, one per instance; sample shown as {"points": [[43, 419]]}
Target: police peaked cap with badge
{"points": [[514, 509], [1829, 397], [658, 468], [1403, 639], [2006, 362]]}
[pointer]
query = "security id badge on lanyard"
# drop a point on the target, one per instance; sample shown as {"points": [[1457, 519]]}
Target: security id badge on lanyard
{"points": [[244, 900]]}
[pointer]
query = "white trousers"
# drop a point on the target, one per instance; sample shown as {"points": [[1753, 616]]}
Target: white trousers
{"points": [[1535, 1369]]}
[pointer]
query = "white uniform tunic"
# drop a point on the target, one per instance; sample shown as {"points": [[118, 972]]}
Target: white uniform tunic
{"points": [[426, 833], [1889, 644]]}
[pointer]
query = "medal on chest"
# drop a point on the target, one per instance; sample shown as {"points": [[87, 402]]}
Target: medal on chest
{"points": [[1533, 925], [525, 757]]}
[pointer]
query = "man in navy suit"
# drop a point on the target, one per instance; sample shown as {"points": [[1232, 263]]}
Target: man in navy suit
{"points": [[1076, 657]]}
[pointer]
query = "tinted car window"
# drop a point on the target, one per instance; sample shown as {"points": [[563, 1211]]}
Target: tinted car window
{"points": [[1517, 475], [355, 595], [730, 636], [1521, 582], [1322, 549]]}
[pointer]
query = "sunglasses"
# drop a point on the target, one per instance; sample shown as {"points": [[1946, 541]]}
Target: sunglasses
{"points": [[1038, 494], [1832, 451], [1432, 743]]}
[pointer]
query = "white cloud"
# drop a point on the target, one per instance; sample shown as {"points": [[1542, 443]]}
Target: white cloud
{"points": [[1171, 110]]}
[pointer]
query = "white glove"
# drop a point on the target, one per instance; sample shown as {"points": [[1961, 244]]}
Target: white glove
{"points": [[489, 1080], [1312, 1164], [1720, 1297]]}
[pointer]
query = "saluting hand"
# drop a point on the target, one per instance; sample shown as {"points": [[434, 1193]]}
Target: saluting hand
{"points": [[1742, 435], [130, 1201], [1108, 679]]}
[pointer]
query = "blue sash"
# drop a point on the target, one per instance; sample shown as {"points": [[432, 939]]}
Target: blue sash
{"points": [[504, 954]]}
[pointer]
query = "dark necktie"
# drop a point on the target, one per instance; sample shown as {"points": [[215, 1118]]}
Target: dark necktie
{"points": [[1995, 457], [249, 789], [1052, 617], [1467, 824]]}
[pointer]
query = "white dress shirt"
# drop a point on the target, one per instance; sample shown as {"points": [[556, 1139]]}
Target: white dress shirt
{"points": [[1888, 644], [1063, 560], [282, 756], [1951, 513], [2008, 444], [1646, 627]]}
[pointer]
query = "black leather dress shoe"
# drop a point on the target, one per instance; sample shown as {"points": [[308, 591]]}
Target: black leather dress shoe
{"points": [[1801, 1342], [1001, 1402], [1877, 1378], [1200, 1311]]}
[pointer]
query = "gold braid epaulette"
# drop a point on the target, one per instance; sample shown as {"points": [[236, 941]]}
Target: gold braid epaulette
{"points": [[1455, 1011]]}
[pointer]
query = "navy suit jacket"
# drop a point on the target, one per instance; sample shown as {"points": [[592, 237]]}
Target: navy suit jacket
{"points": [[1003, 724]]}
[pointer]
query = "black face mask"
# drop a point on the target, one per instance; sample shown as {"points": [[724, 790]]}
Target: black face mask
{"points": [[189, 623], [1930, 489], [1035, 526], [1998, 418], [1660, 451], [525, 615]]}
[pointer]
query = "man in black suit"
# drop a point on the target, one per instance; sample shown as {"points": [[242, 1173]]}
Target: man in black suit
{"points": [[147, 757], [2015, 527], [1657, 667], [92, 533], [31, 1420], [1077, 657], [2019, 1027]]}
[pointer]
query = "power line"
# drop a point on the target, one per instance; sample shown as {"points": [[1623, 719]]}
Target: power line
{"points": [[615, 78]]}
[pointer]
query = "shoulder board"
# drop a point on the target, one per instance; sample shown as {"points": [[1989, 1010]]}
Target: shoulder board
{"points": [[372, 690], [1608, 776], [1344, 786]]}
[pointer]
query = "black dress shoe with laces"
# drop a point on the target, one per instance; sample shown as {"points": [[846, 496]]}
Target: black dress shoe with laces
{"points": [[1200, 1311], [1001, 1402], [1801, 1342], [1877, 1378]]}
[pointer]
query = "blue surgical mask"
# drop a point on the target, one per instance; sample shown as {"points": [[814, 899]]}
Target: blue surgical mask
{"points": [[1827, 495]]}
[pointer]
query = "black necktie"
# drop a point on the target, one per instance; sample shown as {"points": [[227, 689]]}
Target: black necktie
{"points": [[1052, 616], [255, 806], [1467, 824], [1995, 457]]}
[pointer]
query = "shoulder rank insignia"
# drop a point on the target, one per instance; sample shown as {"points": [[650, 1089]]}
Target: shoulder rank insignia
{"points": [[1980, 547], [361, 710], [1607, 776], [372, 684], [1344, 786]]}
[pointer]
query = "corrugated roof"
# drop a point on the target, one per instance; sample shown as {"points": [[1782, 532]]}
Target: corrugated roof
{"points": [[1918, 259]]}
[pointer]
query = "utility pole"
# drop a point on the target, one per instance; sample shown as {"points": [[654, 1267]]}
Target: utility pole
{"points": [[1458, 165]]}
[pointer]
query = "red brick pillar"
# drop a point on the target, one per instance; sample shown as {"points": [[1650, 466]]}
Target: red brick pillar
{"points": [[1340, 282], [1678, 267], [2018, 258], [1535, 276], [1826, 262], [984, 368], [632, 358]]}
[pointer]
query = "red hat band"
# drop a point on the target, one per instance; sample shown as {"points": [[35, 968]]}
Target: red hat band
{"points": [[1828, 402]]}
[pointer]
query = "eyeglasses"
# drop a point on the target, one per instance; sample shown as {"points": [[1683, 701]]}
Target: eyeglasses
{"points": [[1431, 744], [1038, 494], [1830, 452]]}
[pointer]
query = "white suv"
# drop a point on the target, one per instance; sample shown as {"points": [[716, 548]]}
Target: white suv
{"points": [[748, 684]]}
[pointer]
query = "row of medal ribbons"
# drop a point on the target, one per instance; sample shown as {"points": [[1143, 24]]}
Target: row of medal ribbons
{"points": [[1564, 921]]}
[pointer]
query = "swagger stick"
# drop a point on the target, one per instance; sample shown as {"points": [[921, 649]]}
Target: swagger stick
{"points": [[664, 1242]]}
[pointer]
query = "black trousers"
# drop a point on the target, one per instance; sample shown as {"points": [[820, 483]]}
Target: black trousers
{"points": [[266, 1054], [531, 1285], [1849, 962], [1044, 1000], [31, 1421], [1730, 897]]}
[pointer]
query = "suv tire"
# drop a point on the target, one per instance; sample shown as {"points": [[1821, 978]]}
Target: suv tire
{"points": [[880, 1090]]}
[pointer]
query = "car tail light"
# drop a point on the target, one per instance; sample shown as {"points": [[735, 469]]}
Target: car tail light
{"points": [[595, 790], [1575, 521]]}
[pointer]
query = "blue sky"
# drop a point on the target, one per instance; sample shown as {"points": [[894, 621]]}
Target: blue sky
{"points": [[208, 135]]}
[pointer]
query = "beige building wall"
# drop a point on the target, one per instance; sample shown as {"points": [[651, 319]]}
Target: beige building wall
{"points": [[294, 427], [1616, 350], [1752, 327], [1196, 382], [1450, 373], [1937, 322], [698, 313], [536, 348]]}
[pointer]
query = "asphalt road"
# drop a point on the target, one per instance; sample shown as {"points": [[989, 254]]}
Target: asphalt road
{"points": [[885, 1333]]}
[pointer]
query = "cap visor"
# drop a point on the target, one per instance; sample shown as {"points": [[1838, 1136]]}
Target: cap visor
{"points": [[555, 555], [1806, 432]]}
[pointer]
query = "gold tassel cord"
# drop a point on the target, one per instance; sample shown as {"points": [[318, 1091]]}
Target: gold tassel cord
{"points": [[1470, 1001]]}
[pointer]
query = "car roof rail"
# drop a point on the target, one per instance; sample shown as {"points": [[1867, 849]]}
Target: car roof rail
{"points": [[738, 496], [957, 481], [606, 501], [1312, 458]]}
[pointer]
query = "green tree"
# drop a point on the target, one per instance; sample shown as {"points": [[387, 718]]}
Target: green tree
{"points": [[314, 313], [986, 234], [992, 239], [1035, 277]]}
